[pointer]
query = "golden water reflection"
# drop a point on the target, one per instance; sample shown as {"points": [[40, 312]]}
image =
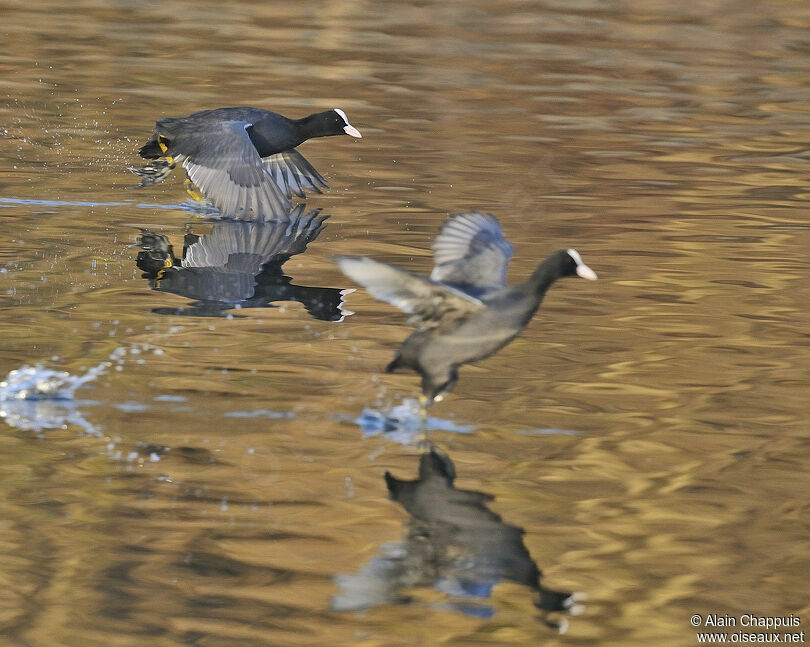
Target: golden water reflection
{"points": [[649, 434]]}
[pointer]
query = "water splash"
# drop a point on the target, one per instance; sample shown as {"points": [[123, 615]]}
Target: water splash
{"points": [[38, 383], [40, 415], [33, 398], [402, 423]]}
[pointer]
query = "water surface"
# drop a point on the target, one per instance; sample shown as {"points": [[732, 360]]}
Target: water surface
{"points": [[647, 431]]}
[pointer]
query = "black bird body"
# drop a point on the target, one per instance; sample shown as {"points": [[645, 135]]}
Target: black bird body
{"points": [[436, 353], [464, 312], [269, 132], [243, 159]]}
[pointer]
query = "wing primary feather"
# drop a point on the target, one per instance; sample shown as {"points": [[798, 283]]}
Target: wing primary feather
{"points": [[224, 164], [428, 302], [471, 253]]}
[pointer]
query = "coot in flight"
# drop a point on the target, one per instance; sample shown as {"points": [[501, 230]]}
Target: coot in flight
{"points": [[464, 311], [241, 159]]}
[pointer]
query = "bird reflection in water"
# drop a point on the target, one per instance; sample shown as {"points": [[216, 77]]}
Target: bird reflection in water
{"points": [[239, 265], [455, 544]]}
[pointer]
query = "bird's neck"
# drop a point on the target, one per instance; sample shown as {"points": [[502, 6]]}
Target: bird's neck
{"points": [[313, 126], [544, 276]]}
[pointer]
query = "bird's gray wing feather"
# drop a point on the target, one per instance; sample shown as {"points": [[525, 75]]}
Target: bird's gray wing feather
{"points": [[427, 302], [294, 174], [222, 161], [471, 251]]}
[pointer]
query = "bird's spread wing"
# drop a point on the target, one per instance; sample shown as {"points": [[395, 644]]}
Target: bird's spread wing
{"points": [[221, 160], [471, 252], [428, 302], [294, 174]]}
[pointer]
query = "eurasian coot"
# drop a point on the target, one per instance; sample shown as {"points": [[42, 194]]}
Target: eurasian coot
{"points": [[242, 159], [465, 311]]}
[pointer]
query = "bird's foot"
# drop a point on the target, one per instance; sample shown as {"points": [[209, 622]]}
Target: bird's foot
{"points": [[193, 191], [154, 172]]}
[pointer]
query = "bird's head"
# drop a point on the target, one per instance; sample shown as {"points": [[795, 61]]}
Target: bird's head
{"points": [[342, 125], [573, 266]]}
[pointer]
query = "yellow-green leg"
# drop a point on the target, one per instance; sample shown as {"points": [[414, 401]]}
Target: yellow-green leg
{"points": [[193, 191]]}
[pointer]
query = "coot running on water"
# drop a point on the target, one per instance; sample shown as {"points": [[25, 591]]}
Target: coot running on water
{"points": [[241, 159], [465, 311]]}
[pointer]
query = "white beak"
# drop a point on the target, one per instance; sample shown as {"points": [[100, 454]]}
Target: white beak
{"points": [[351, 130], [586, 272], [582, 270]]}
